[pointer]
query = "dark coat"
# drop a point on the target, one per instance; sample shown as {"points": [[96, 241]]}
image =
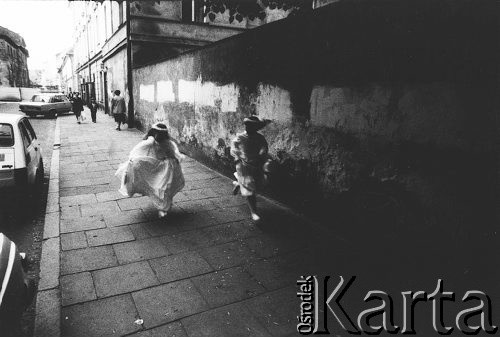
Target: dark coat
{"points": [[93, 107], [77, 104]]}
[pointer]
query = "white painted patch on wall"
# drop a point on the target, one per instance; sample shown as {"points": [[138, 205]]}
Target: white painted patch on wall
{"points": [[209, 94], [147, 92], [165, 91], [274, 103], [187, 91]]}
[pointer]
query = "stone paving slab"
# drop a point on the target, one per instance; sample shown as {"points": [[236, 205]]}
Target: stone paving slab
{"points": [[107, 236], [227, 286], [185, 241], [180, 266], [109, 195], [168, 302], [126, 218], [124, 279], [75, 261], [139, 231], [225, 322], [114, 316], [274, 273], [77, 288], [140, 250], [231, 231], [102, 208], [78, 224], [84, 190], [276, 311], [160, 228], [134, 203], [75, 240], [172, 330], [228, 255], [78, 199]]}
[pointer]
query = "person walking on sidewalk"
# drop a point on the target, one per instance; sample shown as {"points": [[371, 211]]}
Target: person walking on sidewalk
{"points": [[93, 110], [153, 169], [77, 106], [250, 152], [118, 109]]}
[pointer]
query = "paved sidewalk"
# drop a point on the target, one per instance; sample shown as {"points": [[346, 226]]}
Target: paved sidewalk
{"points": [[205, 270]]}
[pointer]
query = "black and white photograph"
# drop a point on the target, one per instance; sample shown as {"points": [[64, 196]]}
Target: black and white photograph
{"points": [[267, 168]]}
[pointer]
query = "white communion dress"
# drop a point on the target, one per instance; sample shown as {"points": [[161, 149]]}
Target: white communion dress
{"points": [[153, 169]]}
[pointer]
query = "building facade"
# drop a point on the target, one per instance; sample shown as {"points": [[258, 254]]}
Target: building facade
{"points": [[112, 37], [13, 60], [66, 71]]}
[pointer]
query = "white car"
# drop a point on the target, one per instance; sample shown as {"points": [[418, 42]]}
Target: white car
{"points": [[21, 163]]}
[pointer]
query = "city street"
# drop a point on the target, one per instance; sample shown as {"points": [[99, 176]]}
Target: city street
{"points": [[24, 223], [268, 168]]}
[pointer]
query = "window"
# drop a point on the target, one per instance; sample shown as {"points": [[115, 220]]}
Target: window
{"points": [[120, 9], [115, 13], [6, 135], [39, 98], [28, 126], [25, 135]]}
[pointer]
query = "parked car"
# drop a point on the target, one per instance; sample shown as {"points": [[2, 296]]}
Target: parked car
{"points": [[46, 104], [21, 162], [17, 290]]}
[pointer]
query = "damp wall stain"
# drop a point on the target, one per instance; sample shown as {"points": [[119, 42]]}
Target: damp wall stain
{"points": [[347, 116]]}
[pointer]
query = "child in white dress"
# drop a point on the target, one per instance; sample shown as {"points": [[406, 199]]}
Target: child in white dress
{"points": [[153, 169]]}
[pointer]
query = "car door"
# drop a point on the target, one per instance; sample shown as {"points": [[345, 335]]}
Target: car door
{"points": [[30, 152], [66, 104], [60, 104], [55, 103], [35, 141]]}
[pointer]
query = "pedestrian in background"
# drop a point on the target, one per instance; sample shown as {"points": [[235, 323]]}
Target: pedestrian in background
{"points": [[153, 169], [77, 106], [93, 109], [250, 151], [118, 109]]}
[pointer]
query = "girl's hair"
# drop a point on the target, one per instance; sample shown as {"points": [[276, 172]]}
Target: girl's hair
{"points": [[159, 130]]}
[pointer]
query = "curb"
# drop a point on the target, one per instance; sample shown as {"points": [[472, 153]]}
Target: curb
{"points": [[48, 299]]}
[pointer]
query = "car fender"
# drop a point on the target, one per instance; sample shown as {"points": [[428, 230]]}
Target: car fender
{"points": [[15, 292]]}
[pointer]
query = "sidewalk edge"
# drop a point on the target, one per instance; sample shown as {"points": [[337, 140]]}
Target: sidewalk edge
{"points": [[48, 300]]}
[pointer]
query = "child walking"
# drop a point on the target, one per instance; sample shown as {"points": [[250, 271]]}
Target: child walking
{"points": [[153, 169], [250, 151]]}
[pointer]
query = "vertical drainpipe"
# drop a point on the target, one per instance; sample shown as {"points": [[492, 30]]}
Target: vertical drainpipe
{"points": [[129, 69]]}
